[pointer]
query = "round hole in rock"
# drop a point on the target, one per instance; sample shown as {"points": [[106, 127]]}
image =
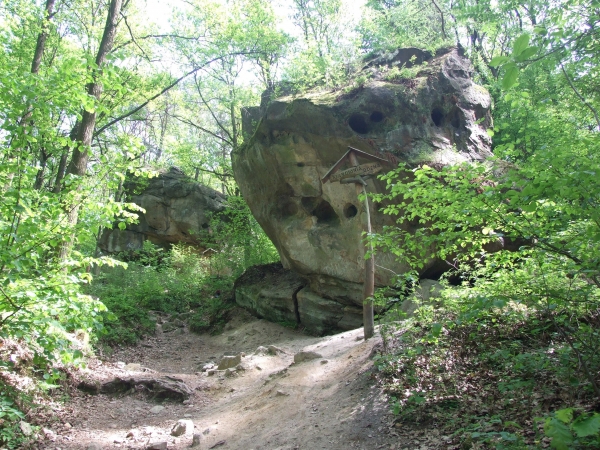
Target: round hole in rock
{"points": [[437, 116], [325, 213], [289, 209], [377, 116], [358, 123], [350, 211]]}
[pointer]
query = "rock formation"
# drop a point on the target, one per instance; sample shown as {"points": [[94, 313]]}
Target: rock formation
{"points": [[431, 113], [282, 296], [177, 209]]}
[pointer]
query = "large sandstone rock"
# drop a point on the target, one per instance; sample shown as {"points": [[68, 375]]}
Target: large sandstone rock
{"points": [[437, 117], [177, 208]]}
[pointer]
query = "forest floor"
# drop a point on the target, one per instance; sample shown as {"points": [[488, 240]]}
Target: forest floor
{"points": [[331, 402]]}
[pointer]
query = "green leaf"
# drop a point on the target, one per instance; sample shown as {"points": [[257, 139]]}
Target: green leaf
{"points": [[122, 225], [560, 434], [564, 415], [510, 77], [499, 60], [587, 426], [527, 53], [520, 44]]}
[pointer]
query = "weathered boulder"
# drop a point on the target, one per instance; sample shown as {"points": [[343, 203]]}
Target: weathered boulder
{"points": [[321, 315], [282, 296], [177, 209], [270, 291], [431, 113]]}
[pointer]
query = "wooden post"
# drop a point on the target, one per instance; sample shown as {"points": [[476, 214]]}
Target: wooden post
{"points": [[369, 284], [355, 175]]}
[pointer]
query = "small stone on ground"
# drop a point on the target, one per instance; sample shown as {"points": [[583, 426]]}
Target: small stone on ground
{"points": [[306, 356], [228, 362], [182, 427]]}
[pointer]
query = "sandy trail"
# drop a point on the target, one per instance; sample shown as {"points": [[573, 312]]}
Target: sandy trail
{"points": [[330, 402]]}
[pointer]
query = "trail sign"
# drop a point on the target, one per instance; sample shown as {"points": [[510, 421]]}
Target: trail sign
{"points": [[355, 175], [363, 169], [348, 156]]}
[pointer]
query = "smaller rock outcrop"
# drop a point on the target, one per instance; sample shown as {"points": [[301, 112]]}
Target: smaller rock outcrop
{"points": [[159, 388], [269, 291], [177, 210], [280, 295]]}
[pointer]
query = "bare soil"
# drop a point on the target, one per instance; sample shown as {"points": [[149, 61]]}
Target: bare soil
{"points": [[331, 402]]}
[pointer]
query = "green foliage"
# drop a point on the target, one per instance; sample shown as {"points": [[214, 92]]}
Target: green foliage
{"points": [[238, 240], [546, 208], [170, 282], [12, 419], [7, 409], [570, 431], [404, 73], [182, 280], [45, 257], [326, 51], [216, 306], [389, 25], [483, 375], [521, 52], [521, 233], [40, 299]]}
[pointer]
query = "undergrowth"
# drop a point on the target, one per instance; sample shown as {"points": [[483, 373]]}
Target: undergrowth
{"points": [[174, 282], [500, 376]]}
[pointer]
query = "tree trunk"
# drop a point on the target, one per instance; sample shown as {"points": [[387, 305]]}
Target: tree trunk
{"points": [[41, 40], [35, 68], [60, 173], [62, 165], [39, 178], [120, 192], [79, 160], [234, 131], [85, 132]]}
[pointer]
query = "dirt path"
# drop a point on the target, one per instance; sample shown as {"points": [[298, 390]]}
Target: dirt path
{"points": [[326, 403]]}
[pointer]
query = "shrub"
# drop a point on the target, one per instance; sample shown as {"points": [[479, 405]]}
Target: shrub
{"points": [[182, 279]]}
